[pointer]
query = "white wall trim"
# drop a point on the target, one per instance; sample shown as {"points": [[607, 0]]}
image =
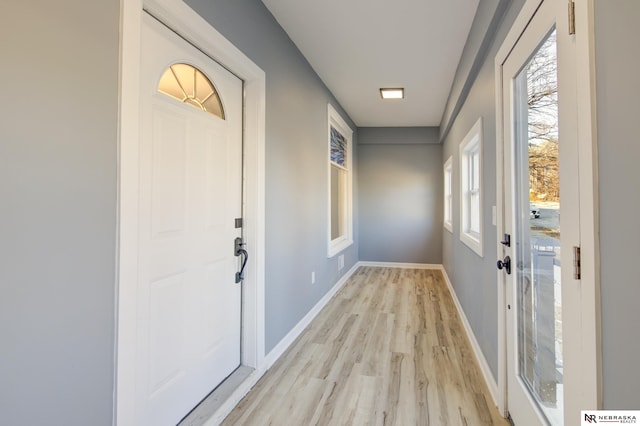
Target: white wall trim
{"points": [[447, 171], [477, 350], [400, 265], [589, 202], [127, 218], [334, 119], [191, 26], [473, 141]]}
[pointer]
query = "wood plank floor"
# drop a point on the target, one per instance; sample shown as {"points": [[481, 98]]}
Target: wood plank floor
{"points": [[388, 349]]}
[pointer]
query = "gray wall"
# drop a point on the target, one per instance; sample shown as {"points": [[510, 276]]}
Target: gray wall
{"points": [[618, 91], [400, 197], [473, 277], [486, 23], [296, 164], [58, 124]]}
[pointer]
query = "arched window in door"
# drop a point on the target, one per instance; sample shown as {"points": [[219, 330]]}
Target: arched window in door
{"points": [[189, 85]]}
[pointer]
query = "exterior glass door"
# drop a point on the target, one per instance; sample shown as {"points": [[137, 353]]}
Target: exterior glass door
{"points": [[537, 230], [551, 370]]}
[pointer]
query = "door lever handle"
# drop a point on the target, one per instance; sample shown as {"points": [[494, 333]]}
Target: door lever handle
{"points": [[239, 251], [505, 264]]}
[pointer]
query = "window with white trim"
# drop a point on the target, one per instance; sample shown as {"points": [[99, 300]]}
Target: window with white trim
{"points": [[340, 232], [448, 194], [471, 188]]}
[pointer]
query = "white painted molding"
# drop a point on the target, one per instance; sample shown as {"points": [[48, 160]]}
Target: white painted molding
{"points": [[447, 175], [400, 265], [482, 361], [589, 204], [516, 30], [334, 119], [124, 410], [500, 228], [473, 141]]}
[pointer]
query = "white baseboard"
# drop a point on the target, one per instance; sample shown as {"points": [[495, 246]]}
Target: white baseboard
{"points": [[400, 265], [482, 361]]}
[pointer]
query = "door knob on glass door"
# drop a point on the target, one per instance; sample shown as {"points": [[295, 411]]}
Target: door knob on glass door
{"points": [[506, 264]]}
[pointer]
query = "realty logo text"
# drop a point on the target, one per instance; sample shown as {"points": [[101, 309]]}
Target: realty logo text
{"points": [[608, 417]]}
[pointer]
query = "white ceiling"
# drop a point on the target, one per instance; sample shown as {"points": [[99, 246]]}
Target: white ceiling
{"points": [[359, 46]]}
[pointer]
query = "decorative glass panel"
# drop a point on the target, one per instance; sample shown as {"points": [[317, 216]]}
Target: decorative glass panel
{"points": [[189, 85], [338, 148]]}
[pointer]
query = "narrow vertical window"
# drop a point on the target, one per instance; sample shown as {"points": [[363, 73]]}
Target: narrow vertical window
{"points": [[471, 188], [448, 195], [474, 191], [340, 234]]}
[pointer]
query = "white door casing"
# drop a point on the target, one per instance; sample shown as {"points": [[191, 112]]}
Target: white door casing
{"points": [[190, 193], [580, 308], [192, 27]]}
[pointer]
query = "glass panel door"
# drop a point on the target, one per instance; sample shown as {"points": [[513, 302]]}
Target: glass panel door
{"points": [[548, 366], [537, 216]]}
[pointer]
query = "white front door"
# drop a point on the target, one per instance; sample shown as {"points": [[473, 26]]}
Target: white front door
{"points": [[190, 180], [542, 218]]}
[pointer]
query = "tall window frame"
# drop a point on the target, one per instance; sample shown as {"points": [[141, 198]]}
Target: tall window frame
{"points": [[339, 174], [471, 218], [448, 195]]}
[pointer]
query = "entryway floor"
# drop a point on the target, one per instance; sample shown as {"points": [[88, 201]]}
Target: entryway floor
{"points": [[389, 349]]}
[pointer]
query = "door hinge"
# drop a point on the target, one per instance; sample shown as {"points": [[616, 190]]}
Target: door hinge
{"points": [[576, 263], [572, 17]]}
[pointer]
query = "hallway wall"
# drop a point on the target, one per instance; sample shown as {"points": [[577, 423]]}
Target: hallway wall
{"points": [[400, 196], [473, 277], [58, 144], [617, 93]]}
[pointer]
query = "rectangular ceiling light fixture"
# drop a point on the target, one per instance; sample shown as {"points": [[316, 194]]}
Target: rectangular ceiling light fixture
{"points": [[392, 93]]}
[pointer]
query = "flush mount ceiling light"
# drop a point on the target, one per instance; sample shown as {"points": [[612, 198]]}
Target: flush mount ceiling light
{"points": [[392, 93]]}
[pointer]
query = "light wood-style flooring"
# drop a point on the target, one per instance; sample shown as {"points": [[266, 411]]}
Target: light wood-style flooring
{"points": [[388, 349]]}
